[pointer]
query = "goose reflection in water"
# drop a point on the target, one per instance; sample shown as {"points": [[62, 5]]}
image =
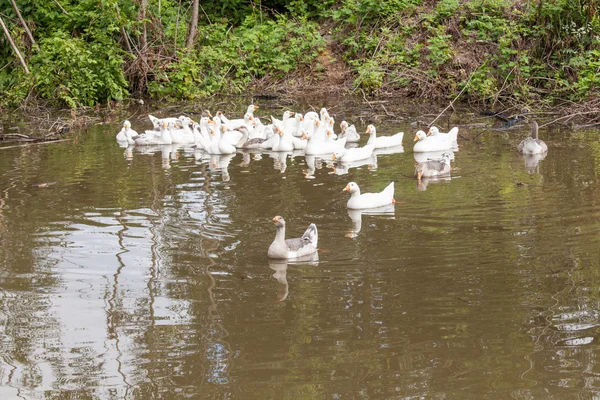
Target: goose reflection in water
{"points": [[280, 274], [423, 182], [356, 217], [432, 155], [343, 168], [220, 162], [248, 156], [389, 150], [168, 152], [128, 153], [532, 162], [280, 159], [313, 163]]}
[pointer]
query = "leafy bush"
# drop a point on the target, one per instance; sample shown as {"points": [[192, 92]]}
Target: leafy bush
{"points": [[77, 72], [229, 59]]}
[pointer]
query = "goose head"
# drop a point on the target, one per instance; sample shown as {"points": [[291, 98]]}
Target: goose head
{"points": [[343, 126], [420, 135], [371, 129], [433, 131], [352, 187], [251, 109], [279, 221], [127, 125], [338, 154]]}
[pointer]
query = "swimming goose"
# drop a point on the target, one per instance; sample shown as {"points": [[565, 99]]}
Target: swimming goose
{"points": [[317, 146], [354, 154], [384, 141], [452, 133], [292, 248], [369, 200], [285, 142], [183, 135], [246, 143], [433, 168], [126, 134], [150, 138], [349, 131], [531, 144], [431, 143], [157, 122]]}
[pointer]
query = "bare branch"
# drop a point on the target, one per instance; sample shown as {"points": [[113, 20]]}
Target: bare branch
{"points": [[14, 46]]}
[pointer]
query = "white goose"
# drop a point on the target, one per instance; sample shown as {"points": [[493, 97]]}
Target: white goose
{"points": [[292, 248], [285, 143], [369, 200], [452, 133], [150, 138], [183, 135], [126, 135], [316, 146], [354, 154], [157, 122], [384, 141], [349, 131], [431, 143]]}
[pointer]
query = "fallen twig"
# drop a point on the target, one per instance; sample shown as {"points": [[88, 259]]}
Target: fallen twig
{"points": [[31, 144]]}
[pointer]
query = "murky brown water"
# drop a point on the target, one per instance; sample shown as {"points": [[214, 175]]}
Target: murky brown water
{"points": [[144, 275]]}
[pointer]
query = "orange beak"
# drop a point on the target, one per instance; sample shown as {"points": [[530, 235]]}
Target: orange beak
{"points": [[368, 130], [275, 219], [329, 133], [304, 137], [317, 123], [301, 118], [333, 157], [416, 138], [256, 107], [346, 189], [429, 132]]}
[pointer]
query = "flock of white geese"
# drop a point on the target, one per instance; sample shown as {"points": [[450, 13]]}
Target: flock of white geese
{"points": [[313, 134]]}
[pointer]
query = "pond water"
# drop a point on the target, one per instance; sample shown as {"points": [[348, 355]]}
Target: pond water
{"points": [[142, 273]]}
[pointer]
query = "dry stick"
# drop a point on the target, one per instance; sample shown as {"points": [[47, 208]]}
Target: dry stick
{"points": [[61, 7], [14, 46], [456, 98], [569, 117], [32, 144], [23, 22]]}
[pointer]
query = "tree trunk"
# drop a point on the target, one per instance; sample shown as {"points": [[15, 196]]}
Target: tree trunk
{"points": [[142, 17], [23, 22], [14, 47], [193, 24]]}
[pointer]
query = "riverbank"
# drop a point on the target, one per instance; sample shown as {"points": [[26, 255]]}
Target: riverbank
{"points": [[509, 56]]}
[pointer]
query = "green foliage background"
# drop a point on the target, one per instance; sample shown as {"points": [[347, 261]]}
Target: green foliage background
{"points": [[89, 53]]}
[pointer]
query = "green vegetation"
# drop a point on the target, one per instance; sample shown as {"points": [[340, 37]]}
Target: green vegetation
{"points": [[93, 51]]}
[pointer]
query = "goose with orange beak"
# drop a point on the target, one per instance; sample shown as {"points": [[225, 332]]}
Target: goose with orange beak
{"points": [[359, 201], [349, 132], [434, 168], [283, 248], [431, 143], [452, 133], [382, 142]]}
